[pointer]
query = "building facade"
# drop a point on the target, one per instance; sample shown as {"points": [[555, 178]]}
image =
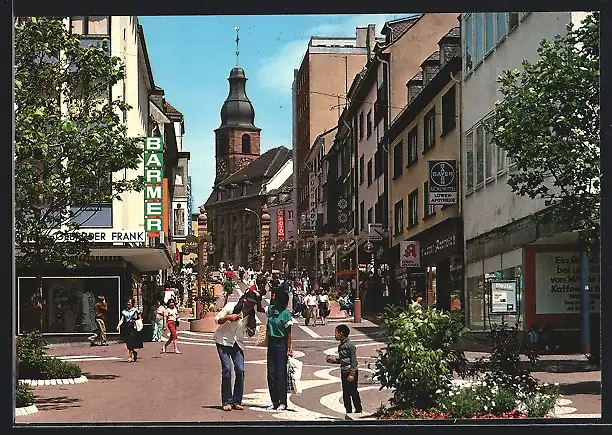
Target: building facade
{"points": [[125, 260], [427, 130], [503, 238]]}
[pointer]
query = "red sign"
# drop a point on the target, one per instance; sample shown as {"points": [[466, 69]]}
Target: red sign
{"points": [[280, 224]]}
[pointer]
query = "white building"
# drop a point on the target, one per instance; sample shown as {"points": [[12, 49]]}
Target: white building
{"points": [[503, 240]]}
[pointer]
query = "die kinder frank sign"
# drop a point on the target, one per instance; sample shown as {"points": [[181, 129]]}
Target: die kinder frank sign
{"points": [[280, 224], [104, 236], [442, 182], [154, 186]]}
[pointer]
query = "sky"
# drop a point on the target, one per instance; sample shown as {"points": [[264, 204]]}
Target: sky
{"points": [[191, 57]]}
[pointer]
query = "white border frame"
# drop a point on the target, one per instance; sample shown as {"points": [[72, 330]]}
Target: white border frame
{"points": [[67, 277]]}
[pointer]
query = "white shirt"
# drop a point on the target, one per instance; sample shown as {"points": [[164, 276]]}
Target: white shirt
{"points": [[230, 332], [323, 299], [310, 300]]}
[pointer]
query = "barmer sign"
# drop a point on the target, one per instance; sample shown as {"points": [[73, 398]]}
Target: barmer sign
{"points": [[154, 190]]}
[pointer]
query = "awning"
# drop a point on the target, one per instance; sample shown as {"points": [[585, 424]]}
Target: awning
{"points": [[145, 259]]}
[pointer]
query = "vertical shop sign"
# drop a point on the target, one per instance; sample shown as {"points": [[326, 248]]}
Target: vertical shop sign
{"points": [[410, 254], [154, 176], [312, 200], [280, 224], [442, 182]]}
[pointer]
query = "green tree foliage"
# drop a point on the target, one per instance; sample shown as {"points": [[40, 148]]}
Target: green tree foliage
{"points": [[69, 138], [548, 122]]}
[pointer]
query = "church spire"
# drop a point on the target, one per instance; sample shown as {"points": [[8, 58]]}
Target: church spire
{"points": [[237, 41]]}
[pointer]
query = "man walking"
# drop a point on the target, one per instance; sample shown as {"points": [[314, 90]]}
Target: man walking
{"points": [[100, 312], [235, 320]]}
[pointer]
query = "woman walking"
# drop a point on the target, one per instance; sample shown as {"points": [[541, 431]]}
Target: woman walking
{"points": [[170, 318], [323, 302], [127, 328], [279, 348], [158, 321]]}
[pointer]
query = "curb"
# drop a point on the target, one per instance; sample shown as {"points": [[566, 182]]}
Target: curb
{"points": [[45, 382], [26, 410], [360, 417]]}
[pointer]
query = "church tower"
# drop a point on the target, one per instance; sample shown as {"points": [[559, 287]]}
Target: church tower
{"points": [[237, 139]]}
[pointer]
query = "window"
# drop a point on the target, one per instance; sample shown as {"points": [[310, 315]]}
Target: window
{"points": [[479, 155], [362, 215], [478, 36], [399, 217], [219, 196], [468, 42], [369, 123], [378, 164], [398, 159], [244, 190], [489, 156], [179, 176], [90, 26], [377, 218], [370, 172], [428, 210], [361, 170], [469, 163], [501, 160], [489, 31], [93, 216], [448, 111], [361, 127], [370, 215], [430, 130], [413, 208], [513, 19], [246, 144], [501, 25], [413, 146]]}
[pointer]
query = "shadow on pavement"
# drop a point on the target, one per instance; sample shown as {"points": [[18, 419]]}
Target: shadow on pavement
{"points": [[563, 366], [94, 377], [586, 387], [372, 332], [56, 403]]}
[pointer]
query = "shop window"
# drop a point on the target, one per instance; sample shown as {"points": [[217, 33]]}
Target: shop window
{"points": [[398, 159], [399, 217], [413, 146], [413, 208], [66, 304], [429, 138], [449, 111]]}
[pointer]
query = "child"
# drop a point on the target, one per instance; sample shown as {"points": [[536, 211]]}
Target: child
{"points": [[347, 358]]}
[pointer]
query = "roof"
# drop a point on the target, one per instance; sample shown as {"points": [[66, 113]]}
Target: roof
{"points": [[169, 109], [256, 173]]}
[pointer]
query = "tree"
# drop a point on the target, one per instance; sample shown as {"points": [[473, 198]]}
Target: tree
{"points": [[69, 139], [548, 122]]}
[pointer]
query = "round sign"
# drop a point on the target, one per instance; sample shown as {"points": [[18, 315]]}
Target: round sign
{"points": [[442, 174]]}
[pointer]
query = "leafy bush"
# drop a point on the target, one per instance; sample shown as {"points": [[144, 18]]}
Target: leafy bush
{"points": [[34, 363], [23, 395], [228, 286], [418, 360], [477, 400]]}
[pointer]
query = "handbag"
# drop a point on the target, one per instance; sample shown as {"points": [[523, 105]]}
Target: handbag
{"points": [[262, 336], [295, 367], [138, 324], [177, 321]]}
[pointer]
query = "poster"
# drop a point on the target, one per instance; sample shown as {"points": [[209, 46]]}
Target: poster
{"points": [[504, 297], [557, 276], [179, 224], [442, 182]]}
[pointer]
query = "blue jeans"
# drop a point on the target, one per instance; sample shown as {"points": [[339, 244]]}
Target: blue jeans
{"points": [[158, 326], [277, 370], [227, 354]]}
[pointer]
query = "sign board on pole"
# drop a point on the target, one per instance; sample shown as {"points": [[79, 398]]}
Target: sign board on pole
{"points": [[442, 182], [503, 297], [154, 176], [280, 224], [375, 232], [410, 254]]}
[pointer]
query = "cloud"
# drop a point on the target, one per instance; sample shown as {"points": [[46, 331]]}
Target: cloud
{"points": [[276, 72]]}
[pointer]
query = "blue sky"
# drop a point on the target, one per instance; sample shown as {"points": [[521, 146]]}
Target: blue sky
{"points": [[191, 57]]}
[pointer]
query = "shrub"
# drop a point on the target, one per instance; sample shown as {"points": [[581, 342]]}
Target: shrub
{"points": [[54, 368], [418, 360], [478, 399], [35, 364], [23, 395]]}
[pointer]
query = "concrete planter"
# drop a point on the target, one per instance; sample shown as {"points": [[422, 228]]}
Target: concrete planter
{"points": [[206, 323], [335, 312], [26, 410], [44, 382]]}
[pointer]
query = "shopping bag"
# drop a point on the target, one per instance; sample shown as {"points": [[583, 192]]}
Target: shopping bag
{"points": [[138, 325], [295, 367], [262, 336]]}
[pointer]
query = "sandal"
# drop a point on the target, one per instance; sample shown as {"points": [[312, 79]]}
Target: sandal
{"points": [[163, 350], [177, 351]]}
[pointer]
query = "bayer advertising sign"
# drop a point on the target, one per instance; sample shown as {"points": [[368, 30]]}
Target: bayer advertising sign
{"points": [[442, 182]]}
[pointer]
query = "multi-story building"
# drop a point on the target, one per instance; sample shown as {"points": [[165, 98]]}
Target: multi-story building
{"points": [[427, 130], [126, 260], [320, 89], [503, 238], [283, 230]]}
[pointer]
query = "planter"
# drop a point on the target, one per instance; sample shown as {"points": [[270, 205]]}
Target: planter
{"points": [[206, 323], [335, 312]]}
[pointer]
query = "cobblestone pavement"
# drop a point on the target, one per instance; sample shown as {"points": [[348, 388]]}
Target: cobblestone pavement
{"points": [[186, 387]]}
